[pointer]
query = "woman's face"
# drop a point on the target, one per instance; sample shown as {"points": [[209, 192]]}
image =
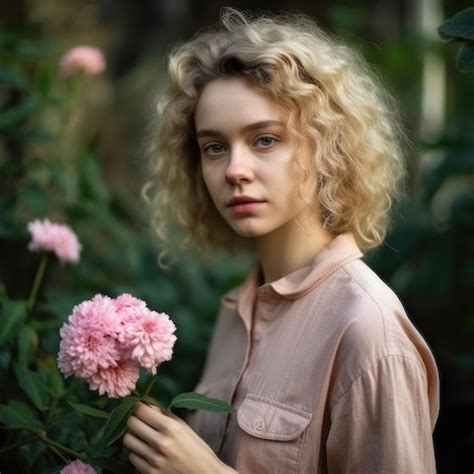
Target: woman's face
{"points": [[247, 150]]}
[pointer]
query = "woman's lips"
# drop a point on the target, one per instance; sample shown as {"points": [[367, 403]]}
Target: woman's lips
{"points": [[243, 208]]}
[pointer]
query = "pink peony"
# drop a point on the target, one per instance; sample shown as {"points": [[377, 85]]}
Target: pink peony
{"points": [[89, 338], [105, 341], [82, 59], [57, 238], [116, 381], [150, 339], [78, 467]]}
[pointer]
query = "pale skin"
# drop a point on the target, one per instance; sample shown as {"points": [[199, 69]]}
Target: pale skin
{"points": [[164, 444], [246, 149]]}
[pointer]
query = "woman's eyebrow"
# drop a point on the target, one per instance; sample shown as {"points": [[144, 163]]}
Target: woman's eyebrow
{"points": [[252, 126]]}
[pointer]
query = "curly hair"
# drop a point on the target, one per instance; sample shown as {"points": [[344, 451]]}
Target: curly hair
{"points": [[333, 99]]}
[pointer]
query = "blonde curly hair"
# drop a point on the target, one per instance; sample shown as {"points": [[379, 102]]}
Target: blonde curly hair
{"points": [[333, 99]]}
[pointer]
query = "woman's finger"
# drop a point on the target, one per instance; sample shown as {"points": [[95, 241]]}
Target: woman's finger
{"points": [[145, 432], [141, 465], [137, 446], [153, 416]]}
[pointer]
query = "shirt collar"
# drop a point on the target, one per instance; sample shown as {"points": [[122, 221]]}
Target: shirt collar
{"points": [[340, 250]]}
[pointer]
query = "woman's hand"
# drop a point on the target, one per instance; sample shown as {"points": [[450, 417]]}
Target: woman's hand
{"points": [[164, 444]]}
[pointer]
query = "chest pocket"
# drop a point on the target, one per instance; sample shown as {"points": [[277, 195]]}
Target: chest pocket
{"points": [[272, 436]]}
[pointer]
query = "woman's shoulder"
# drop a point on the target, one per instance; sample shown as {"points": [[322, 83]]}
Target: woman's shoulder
{"points": [[374, 326], [369, 309]]}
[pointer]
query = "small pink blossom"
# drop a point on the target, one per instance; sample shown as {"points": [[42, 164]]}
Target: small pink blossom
{"points": [[57, 238], [150, 339], [115, 382], [82, 59], [78, 467], [88, 338], [130, 308]]}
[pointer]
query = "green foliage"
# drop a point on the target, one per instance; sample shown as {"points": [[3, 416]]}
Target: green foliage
{"points": [[460, 28], [51, 168], [87, 410], [19, 415], [193, 400], [116, 424], [12, 314], [33, 385]]}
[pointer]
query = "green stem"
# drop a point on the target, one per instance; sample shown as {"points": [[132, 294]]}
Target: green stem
{"points": [[58, 453], [17, 445], [149, 385], [37, 282], [59, 446]]}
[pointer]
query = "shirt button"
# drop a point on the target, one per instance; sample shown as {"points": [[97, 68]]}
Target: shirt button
{"points": [[259, 425]]}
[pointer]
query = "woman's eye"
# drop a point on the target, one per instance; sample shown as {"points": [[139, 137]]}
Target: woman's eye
{"points": [[214, 149], [266, 142]]}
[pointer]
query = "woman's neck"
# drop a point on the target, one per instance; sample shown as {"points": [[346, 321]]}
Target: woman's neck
{"points": [[290, 247]]}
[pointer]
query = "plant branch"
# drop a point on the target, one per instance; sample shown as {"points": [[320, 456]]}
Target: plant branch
{"points": [[37, 282], [59, 446], [17, 445]]}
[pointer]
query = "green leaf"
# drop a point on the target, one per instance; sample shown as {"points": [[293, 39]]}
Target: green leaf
{"points": [[459, 27], [27, 344], [12, 78], [12, 313], [19, 415], [33, 385], [18, 112], [92, 179], [31, 136], [35, 49], [117, 423], [465, 60], [87, 410], [197, 401], [54, 380]]}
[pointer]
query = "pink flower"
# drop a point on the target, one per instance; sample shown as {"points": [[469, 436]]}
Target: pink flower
{"points": [[150, 339], [82, 59], [78, 467], [129, 307], [116, 381], [57, 238], [105, 341], [88, 339]]}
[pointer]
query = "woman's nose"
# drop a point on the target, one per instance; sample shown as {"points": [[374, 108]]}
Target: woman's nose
{"points": [[239, 167]]}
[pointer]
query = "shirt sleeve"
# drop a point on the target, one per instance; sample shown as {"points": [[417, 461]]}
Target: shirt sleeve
{"points": [[382, 423]]}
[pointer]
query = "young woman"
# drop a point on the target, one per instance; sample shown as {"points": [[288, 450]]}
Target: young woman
{"points": [[275, 137]]}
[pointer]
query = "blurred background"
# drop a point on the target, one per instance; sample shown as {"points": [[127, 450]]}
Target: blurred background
{"points": [[76, 153]]}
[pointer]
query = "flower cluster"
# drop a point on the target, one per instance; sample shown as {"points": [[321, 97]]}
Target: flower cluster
{"points": [[58, 238], [78, 467], [105, 342], [82, 59]]}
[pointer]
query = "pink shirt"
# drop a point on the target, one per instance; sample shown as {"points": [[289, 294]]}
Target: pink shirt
{"points": [[325, 371]]}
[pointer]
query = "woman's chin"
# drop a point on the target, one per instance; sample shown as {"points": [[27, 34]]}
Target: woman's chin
{"points": [[248, 232]]}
